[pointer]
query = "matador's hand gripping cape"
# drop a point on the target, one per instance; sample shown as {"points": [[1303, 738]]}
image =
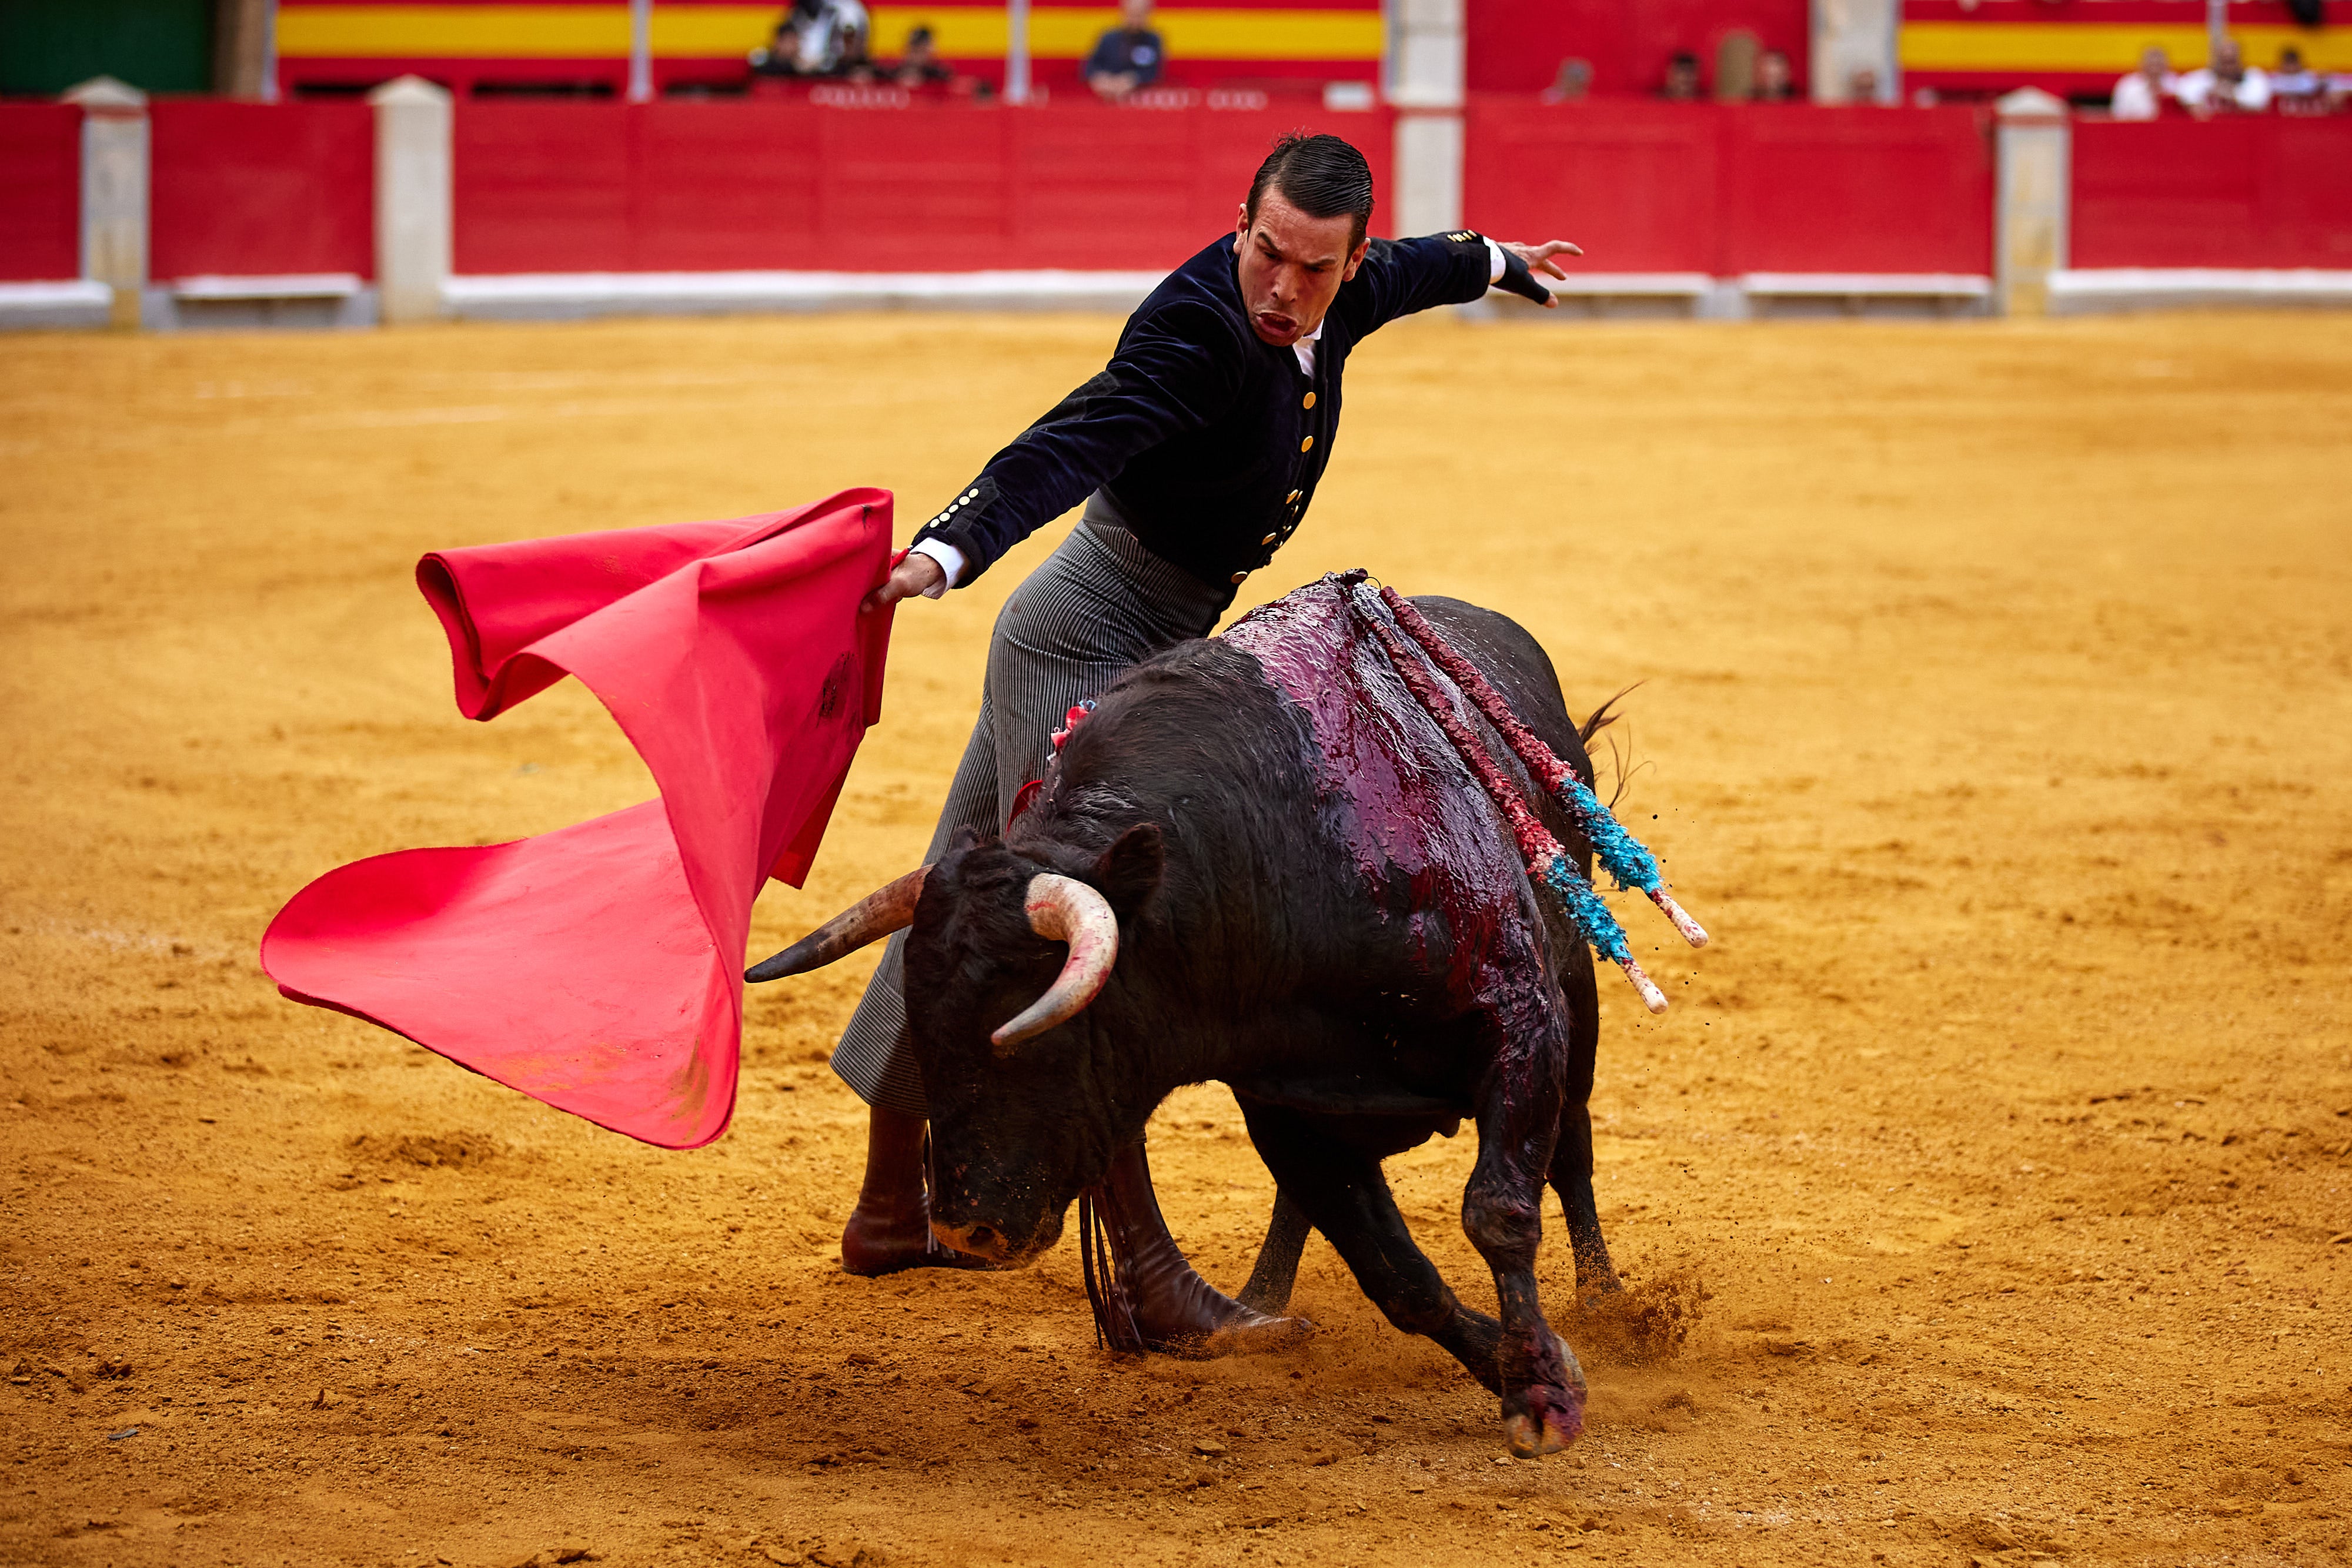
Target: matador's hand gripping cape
{"points": [[598, 968]]}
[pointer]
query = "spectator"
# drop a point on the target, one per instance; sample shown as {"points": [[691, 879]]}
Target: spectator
{"points": [[1128, 56], [2141, 95], [1570, 83], [816, 38], [2227, 85], [1775, 81], [2296, 86], [1863, 86], [920, 66], [1682, 83]]}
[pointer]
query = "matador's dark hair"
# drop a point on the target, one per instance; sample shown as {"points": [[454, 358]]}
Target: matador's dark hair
{"points": [[1321, 175]]}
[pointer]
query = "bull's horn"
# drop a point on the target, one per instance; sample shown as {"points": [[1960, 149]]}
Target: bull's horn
{"points": [[1062, 909], [885, 909]]}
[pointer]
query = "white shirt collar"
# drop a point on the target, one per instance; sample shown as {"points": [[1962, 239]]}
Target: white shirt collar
{"points": [[1305, 348]]}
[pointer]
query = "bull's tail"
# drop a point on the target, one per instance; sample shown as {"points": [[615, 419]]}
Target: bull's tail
{"points": [[1605, 715]]}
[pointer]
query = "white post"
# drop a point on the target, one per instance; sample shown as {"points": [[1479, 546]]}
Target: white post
{"points": [[1849, 38], [641, 50], [269, 51], [1425, 84], [2217, 26], [2035, 191], [114, 167], [413, 120], [1016, 51]]}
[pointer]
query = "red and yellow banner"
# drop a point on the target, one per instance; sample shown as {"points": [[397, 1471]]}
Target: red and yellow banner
{"points": [[2083, 46], [1350, 32]]}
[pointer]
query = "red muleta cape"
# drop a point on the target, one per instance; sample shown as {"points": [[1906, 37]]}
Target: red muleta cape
{"points": [[599, 968]]}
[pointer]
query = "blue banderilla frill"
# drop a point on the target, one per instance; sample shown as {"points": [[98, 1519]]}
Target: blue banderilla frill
{"points": [[1624, 857]]}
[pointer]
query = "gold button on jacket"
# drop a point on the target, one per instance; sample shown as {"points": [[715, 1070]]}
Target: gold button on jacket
{"points": [[1309, 402], [1269, 538], [1307, 444], [1239, 575]]}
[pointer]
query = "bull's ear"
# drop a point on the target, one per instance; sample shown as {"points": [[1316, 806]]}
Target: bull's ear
{"points": [[961, 839], [1128, 872]]}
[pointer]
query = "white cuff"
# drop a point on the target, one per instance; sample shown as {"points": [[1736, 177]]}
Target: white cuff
{"points": [[1495, 258], [950, 562]]}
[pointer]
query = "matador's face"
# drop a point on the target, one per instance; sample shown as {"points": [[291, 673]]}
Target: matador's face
{"points": [[1291, 266]]}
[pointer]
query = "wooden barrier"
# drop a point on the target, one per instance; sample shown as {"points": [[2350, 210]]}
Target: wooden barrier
{"points": [[1727, 189], [1674, 201], [694, 187], [2255, 191], [242, 189], [41, 192]]}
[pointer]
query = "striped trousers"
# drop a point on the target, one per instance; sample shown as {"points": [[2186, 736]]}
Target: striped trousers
{"points": [[1098, 603]]}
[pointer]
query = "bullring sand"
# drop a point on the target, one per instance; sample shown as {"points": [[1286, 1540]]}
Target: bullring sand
{"points": [[1983, 1193]]}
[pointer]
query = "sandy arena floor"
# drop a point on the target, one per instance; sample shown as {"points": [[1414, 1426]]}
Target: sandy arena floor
{"points": [[1998, 719]]}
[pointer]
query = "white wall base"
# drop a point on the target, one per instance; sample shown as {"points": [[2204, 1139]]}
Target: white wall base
{"points": [[575, 296], [246, 304], [68, 303], [241, 303], [1694, 296], [2086, 291]]}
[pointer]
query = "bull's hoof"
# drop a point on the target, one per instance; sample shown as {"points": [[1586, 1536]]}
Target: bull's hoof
{"points": [[1530, 1439], [1552, 1414]]}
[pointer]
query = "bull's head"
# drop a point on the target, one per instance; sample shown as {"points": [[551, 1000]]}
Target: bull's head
{"points": [[1004, 952]]}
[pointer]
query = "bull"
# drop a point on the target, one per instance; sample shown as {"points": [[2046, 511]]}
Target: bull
{"points": [[1257, 861]]}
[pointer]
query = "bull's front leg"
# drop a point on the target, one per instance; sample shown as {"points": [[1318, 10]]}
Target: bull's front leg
{"points": [[1502, 1210]]}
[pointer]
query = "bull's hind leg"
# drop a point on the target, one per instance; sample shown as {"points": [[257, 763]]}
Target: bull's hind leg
{"points": [[1502, 1208], [1270, 1283], [1571, 1155], [1571, 1178], [1339, 1191]]}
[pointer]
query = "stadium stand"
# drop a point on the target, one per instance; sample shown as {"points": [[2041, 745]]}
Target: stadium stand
{"points": [[2077, 48], [701, 46]]}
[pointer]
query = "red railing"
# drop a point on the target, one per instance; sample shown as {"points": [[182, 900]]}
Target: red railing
{"points": [[246, 188], [2257, 192], [1732, 189], [686, 187], [41, 192]]}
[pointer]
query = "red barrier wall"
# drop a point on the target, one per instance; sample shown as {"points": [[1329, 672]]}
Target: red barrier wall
{"points": [[1724, 190], [687, 186], [41, 192], [2252, 192], [248, 188]]}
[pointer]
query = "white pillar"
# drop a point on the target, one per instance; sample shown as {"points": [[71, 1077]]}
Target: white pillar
{"points": [[641, 50], [1850, 37], [2035, 191], [114, 165], [1425, 84], [1016, 51], [412, 198]]}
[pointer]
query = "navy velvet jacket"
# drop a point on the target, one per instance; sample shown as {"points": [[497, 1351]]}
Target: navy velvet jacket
{"points": [[1210, 441]]}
